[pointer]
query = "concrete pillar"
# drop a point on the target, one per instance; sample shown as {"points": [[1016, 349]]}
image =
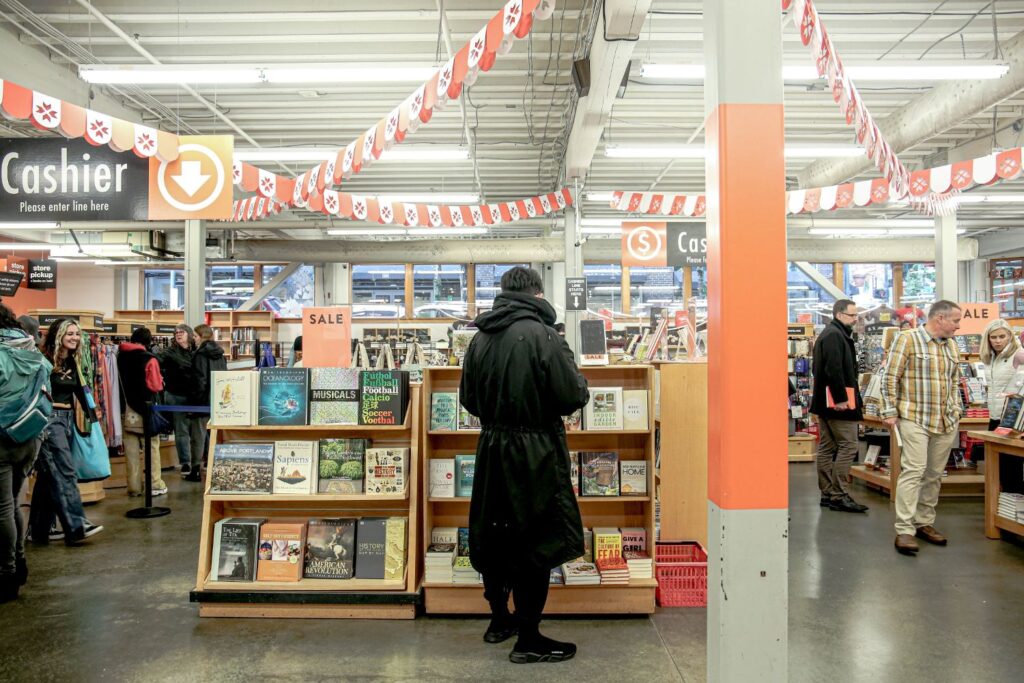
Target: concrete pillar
{"points": [[573, 267], [195, 272], [747, 483], [554, 285], [945, 258]]}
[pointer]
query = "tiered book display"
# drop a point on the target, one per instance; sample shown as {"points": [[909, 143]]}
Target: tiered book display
{"points": [[606, 508], [327, 528]]}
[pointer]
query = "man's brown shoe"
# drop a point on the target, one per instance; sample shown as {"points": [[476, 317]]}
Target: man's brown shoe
{"points": [[906, 544], [929, 534]]}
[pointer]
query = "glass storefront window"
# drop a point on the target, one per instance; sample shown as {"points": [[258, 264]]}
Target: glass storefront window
{"points": [[699, 283], [918, 285], [289, 297], [654, 286], [228, 287], [439, 291], [164, 290], [604, 286], [869, 284], [378, 291], [1008, 287], [806, 299], [488, 282]]}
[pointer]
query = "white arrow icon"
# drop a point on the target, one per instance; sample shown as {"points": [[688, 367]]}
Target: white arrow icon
{"points": [[575, 302], [191, 177]]}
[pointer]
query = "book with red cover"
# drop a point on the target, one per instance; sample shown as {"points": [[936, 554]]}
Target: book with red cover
{"points": [[851, 398]]}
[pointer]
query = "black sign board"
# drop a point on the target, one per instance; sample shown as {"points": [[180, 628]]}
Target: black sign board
{"points": [[136, 326], [575, 293], [48, 319], [106, 327], [97, 321], [796, 330], [9, 283], [55, 179], [687, 244], [42, 274], [165, 329]]}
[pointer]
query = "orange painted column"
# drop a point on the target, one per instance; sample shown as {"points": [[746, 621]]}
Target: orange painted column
{"points": [[747, 429]]}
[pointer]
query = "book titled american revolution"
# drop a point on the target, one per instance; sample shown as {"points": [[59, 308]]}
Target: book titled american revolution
{"points": [[232, 398], [242, 468], [333, 396], [284, 397], [383, 397], [341, 466], [330, 549], [234, 549]]}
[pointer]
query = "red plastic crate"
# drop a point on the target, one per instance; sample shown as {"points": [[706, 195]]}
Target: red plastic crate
{"points": [[681, 568]]}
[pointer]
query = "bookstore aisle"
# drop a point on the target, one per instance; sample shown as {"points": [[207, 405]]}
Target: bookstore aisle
{"points": [[84, 605]]}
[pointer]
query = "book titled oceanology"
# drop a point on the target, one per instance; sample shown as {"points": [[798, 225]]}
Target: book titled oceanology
{"points": [[342, 466], [334, 396], [284, 396], [383, 397], [330, 549], [242, 468]]}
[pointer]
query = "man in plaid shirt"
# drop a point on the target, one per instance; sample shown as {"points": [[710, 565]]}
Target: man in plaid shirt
{"points": [[921, 398]]}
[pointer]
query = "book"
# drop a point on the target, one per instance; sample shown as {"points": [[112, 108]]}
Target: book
{"points": [[330, 549], [634, 539], [604, 410], [386, 470], [463, 572], [235, 540], [461, 340], [341, 465], [574, 422], [232, 397], [634, 409], [588, 545], [439, 563], [593, 343], [280, 551], [581, 574], [599, 474], [294, 467], [557, 577], [283, 396], [242, 468], [444, 411], [850, 398], [466, 420], [607, 543], [640, 564], [463, 541], [613, 570], [394, 554], [383, 397], [871, 457], [574, 471], [633, 477], [371, 547], [442, 478], [1011, 412], [333, 396], [465, 465], [445, 534]]}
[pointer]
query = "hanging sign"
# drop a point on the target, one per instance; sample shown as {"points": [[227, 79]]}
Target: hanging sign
{"points": [[42, 274], [195, 185], [976, 317], [327, 337], [644, 243], [9, 283], [575, 293], [20, 266], [687, 244], [46, 320]]}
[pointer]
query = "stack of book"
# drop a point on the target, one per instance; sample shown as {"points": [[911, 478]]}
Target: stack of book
{"points": [[614, 571], [463, 572], [640, 564], [581, 574], [439, 563], [1011, 506]]}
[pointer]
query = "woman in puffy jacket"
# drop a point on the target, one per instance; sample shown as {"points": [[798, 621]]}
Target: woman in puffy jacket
{"points": [[998, 346]]}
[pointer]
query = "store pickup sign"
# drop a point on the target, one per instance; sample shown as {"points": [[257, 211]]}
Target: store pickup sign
{"points": [[660, 243]]}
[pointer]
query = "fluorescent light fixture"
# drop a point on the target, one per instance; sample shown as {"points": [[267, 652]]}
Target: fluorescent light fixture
{"points": [[601, 231], [422, 153], [364, 232], [92, 250], [24, 225], [822, 151], [604, 222], [425, 153], [442, 232], [877, 232], [436, 198], [1001, 198], [241, 75], [599, 196], [887, 71], [697, 151], [26, 246]]}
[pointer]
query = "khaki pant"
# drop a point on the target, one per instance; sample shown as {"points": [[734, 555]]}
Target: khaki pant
{"points": [[135, 451], [922, 463], [837, 447]]}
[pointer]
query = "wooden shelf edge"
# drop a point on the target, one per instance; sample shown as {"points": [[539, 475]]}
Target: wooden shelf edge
{"points": [[317, 586], [634, 583], [286, 498], [579, 499], [1007, 524], [319, 428]]}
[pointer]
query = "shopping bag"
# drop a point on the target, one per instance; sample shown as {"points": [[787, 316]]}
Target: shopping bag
{"points": [[90, 455], [415, 360]]}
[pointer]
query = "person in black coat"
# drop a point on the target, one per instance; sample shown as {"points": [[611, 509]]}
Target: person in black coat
{"points": [[176, 363], [519, 377], [209, 356], [836, 403]]}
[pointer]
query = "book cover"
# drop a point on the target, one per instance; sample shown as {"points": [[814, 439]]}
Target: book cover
{"points": [[607, 543], [557, 577], [461, 340], [599, 474], [588, 545], [394, 554], [444, 411], [581, 572], [633, 477], [1011, 411], [232, 397], [604, 411], [294, 470], [574, 471], [442, 478], [283, 396], [385, 471], [467, 420], [234, 549], [383, 397], [634, 409], [463, 541], [333, 396], [445, 534], [634, 539], [465, 465], [341, 465], [574, 422], [371, 547], [330, 549], [280, 551], [242, 468], [593, 343]]}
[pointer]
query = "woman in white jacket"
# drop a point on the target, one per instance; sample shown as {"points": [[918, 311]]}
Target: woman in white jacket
{"points": [[998, 347]]}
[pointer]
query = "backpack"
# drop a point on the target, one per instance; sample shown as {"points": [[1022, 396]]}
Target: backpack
{"points": [[25, 403]]}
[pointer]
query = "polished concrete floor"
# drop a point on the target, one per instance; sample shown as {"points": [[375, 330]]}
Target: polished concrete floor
{"points": [[117, 610]]}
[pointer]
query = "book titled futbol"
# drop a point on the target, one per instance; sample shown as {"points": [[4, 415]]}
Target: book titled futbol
{"points": [[284, 396], [383, 397]]}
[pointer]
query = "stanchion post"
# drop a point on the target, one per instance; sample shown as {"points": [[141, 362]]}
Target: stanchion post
{"points": [[147, 511]]}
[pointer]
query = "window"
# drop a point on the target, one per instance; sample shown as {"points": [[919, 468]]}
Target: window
{"points": [[918, 285], [228, 287], [1008, 287], [439, 291], [699, 283], [806, 299], [604, 286], [869, 284], [488, 282], [378, 291], [289, 297], [164, 290], [653, 286]]}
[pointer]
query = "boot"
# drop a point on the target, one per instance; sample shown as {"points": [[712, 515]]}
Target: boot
{"points": [[501, 628], [8, 588], [21, 571]]}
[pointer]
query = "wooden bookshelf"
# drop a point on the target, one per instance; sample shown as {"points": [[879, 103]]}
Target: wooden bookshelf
{"points": [[637, 597], [998, 447], [316, 598]]}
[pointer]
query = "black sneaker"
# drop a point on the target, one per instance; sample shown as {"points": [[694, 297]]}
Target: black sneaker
{"points": [[185, 469], [194, 475], [847, 504], [501, 629], [541, 649], [825, 502]]}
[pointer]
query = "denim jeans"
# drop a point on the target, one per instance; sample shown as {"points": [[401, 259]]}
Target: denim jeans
{"points": [[189, 433], [15, 464], [56, 489]]}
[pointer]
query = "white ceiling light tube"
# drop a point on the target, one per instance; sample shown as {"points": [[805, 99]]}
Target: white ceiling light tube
{"points": [[1001, 198], [24, 225], [91, 251], [444, 232], [423, 153], [139, 74], [888, 71], [876, 232], [366, 232], [601, 231]]}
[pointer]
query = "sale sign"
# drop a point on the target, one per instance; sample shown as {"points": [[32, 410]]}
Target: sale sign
{"points": [[976, 317], [327, 337], [644, 243]]}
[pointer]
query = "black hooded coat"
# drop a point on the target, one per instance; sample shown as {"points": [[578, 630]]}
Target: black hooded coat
{"points": [[519, 377]]}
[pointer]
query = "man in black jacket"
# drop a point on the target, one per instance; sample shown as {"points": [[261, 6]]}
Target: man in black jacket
{"points": [[838, 407], [519, 377], [209, 357]]}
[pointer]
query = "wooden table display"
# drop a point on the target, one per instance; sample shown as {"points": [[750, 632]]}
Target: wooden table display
{"points": [[954, 484], [996, 447], [636, 597], [315, 598]]}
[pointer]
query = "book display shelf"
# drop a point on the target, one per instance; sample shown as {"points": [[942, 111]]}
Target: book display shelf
{"points": [[315, 598], [636, 597]]}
